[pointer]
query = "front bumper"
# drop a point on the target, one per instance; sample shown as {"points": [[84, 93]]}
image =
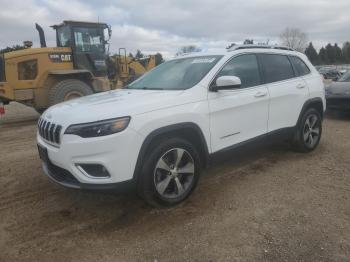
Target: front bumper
{"points": [[117, 153], [65, 178]]}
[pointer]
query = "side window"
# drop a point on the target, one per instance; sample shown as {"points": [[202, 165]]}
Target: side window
{"points": [[27, 70], [299, 66], [245, 67], [2, 68], [276, 67]]}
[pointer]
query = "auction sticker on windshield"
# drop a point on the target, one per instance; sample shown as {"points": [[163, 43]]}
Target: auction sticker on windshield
{"points": [[202, 60]]}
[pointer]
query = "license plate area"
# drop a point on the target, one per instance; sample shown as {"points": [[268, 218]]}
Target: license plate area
{"points": [[44, 156]]}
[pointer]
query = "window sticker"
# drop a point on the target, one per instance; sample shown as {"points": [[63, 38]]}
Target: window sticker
{"points": [[203, 60]]}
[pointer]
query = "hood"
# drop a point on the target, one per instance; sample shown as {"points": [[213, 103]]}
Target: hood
{"points": [[111, 104], [338, 88]]}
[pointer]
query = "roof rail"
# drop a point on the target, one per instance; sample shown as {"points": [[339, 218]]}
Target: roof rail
{"points": [[250, 46]]}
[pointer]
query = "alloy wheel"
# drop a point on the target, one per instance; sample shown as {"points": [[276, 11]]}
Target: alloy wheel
{"points": [[311, 131], [174, 173]]}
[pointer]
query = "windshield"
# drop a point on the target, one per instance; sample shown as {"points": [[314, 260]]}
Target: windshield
{"points": [[88, 39], [63, 37], [345, 77], [176, 74]]}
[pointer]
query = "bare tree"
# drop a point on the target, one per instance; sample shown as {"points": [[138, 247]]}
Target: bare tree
{"points": [[294, 38], [188, 49]]}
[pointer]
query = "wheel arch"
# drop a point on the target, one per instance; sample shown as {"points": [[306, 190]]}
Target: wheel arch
{"points": [[316, 103], [187, 130]]}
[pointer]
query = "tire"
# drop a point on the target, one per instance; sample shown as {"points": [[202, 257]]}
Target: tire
{"points": [[68, 89], [310, 124], [159, 180]]}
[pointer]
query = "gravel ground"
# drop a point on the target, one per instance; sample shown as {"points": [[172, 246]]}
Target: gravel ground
{"points": [[258, 204]]}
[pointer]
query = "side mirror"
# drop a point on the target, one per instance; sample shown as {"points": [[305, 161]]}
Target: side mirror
{"points": [[226, 83]]}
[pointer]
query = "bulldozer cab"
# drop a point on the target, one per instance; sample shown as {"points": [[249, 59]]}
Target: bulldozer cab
{"points": [[88, 43]]}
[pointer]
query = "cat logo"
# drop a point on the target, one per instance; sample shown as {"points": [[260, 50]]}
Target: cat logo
{"points": [[60, 57]]}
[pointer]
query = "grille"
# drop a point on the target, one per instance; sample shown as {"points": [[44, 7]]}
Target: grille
{"points": [[49, 131]]}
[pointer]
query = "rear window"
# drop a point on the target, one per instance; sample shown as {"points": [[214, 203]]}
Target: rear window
{"points": [[276, 67], [300, 67]]}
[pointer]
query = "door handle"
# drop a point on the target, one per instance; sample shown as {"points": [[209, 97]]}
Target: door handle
{"points": [[260, 94], [300, 86]]}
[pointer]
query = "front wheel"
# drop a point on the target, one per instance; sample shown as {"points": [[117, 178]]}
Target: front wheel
{"points": [[170, 173], [308, 133]]}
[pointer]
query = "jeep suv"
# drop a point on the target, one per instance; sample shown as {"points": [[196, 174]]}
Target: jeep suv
{"points": [[159, 131]]}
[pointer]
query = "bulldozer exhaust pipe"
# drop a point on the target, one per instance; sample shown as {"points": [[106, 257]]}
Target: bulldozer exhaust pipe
{"points": [[41, 35]]}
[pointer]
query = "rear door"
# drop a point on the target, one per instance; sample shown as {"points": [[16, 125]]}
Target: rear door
{"points": [[237, 115], [287, 90]]}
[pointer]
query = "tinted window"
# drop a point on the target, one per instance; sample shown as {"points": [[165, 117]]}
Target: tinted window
{"points": [[245, 67], [276, 67], [299, 66]]}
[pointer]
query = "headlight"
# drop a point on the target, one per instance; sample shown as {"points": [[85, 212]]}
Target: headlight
{"points": [[99, 128]]}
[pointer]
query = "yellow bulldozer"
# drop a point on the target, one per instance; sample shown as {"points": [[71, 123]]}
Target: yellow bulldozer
{"points": [[78, 66]]}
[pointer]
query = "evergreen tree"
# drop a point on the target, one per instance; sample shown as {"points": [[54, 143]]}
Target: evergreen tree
{"points": [[330, 53], [338, 54], [346, 52], [12, 48], [139, 54], [311, 53], [159, 59], [323, 56]]}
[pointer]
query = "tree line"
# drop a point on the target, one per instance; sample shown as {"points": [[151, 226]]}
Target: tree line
{"points": [[12, 48], [330, 54]]}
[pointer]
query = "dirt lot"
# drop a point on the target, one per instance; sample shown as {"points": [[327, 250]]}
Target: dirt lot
{"points": [[265, 204]]}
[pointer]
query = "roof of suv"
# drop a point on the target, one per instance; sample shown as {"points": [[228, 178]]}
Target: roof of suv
{"points": [[246, 49]]}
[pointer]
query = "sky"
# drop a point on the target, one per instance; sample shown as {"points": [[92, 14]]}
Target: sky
{"points": [[166, 25]]}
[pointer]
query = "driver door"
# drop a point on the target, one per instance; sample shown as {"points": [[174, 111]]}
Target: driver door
{"points": [[88, 50], [239, 114]]}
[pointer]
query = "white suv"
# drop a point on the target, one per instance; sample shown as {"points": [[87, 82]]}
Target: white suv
{"points": [[159, 131]]}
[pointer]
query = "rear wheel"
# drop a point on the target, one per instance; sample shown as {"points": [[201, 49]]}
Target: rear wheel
{"points": [[67, 90], [170, 173], [308, 132]]}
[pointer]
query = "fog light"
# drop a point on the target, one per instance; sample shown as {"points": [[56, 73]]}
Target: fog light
{"points": [[94, 170]]}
